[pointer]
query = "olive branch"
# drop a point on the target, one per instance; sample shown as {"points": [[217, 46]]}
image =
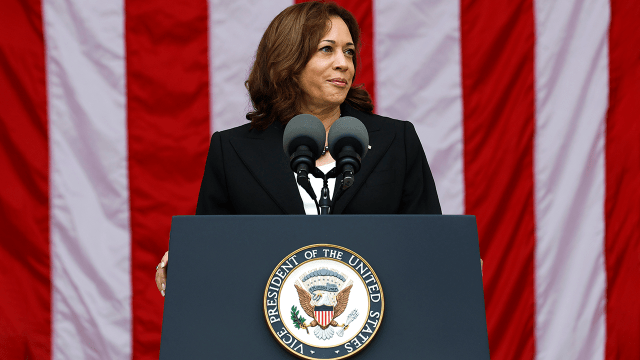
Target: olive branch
{"points": [[298, 321]]}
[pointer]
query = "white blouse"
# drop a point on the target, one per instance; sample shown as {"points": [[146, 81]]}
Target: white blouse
{"points": [[316, 184]]}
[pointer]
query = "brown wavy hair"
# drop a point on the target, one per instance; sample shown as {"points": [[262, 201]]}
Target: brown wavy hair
{"points": [[287, 45]]}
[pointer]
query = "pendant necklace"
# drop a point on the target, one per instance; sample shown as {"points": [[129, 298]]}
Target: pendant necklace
{"points": [[326, 148]]}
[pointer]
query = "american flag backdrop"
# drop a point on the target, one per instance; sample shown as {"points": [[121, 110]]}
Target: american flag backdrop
{"points": [[528, 111]]}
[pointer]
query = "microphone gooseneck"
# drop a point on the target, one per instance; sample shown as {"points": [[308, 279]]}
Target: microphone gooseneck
{"points": [[303, 142], [348, 144]]}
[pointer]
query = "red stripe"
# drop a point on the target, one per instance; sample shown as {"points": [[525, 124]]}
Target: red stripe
{"points": [[168, 128], [323, 317], [25, 303], [363, 12], [497, 43], [622, 201]]}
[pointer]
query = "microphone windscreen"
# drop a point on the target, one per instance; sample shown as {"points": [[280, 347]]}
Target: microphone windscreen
{"points": [[304, 129], [348, 131]]}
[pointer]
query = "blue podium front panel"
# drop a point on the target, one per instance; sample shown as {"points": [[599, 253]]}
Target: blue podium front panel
{"points": [[427, 265]]}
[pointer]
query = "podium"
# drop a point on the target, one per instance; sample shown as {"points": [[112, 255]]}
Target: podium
{"points": [[428, 267]]}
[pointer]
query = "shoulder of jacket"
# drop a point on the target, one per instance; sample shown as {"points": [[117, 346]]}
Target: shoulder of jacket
{"points": [[387, 123], [242, 131], [374, 121]]}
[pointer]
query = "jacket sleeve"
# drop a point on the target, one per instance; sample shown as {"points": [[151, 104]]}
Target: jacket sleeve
{"points": [[419, 195], [214, 197]]}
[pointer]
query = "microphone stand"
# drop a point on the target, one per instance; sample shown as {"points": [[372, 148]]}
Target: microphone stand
{"points": [[324, 204]]}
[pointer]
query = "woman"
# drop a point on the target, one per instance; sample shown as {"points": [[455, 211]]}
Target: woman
{"points": [[305, 64]]}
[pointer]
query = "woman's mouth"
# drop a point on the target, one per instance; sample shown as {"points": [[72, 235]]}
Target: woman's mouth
{"points": [[338, 82]]}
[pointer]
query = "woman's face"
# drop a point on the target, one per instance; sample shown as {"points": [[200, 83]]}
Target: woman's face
{"points": [[327, 77]]}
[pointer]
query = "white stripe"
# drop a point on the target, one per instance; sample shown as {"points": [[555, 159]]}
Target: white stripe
{"points": [[90, 239], [417, 60], [571, 101], [235, 29]]}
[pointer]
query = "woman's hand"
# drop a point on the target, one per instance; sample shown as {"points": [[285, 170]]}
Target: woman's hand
{"points": [[161, 273]]}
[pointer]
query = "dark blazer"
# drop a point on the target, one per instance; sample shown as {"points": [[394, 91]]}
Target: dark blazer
{"points": [[247, 172]]}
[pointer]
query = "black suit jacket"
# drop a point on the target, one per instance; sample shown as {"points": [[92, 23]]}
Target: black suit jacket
{"points": [[247, 172]]}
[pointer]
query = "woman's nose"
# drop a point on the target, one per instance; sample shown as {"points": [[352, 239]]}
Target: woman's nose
{"points": [[340, 62]]}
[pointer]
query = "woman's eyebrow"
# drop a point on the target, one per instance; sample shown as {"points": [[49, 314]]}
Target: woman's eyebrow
{"points": [[333, 42]]}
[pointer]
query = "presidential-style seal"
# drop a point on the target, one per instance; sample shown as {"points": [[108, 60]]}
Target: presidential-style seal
{"points": [[323, 302]]}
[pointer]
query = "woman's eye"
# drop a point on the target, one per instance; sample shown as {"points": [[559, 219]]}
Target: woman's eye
{"points": [[326, 49], [350, 52]]}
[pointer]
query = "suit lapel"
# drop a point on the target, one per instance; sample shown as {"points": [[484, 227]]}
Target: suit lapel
{"points": [[381, 136], [262, 154]]}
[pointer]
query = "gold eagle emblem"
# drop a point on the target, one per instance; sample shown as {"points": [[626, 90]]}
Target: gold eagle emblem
{"points": [[319, 301]]}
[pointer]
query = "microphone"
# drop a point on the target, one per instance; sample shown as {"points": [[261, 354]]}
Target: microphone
{"points": [[303, 142], [348, 144]]}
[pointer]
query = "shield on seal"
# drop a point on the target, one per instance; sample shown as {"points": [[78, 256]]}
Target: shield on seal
{"points": [[323, 314]]}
